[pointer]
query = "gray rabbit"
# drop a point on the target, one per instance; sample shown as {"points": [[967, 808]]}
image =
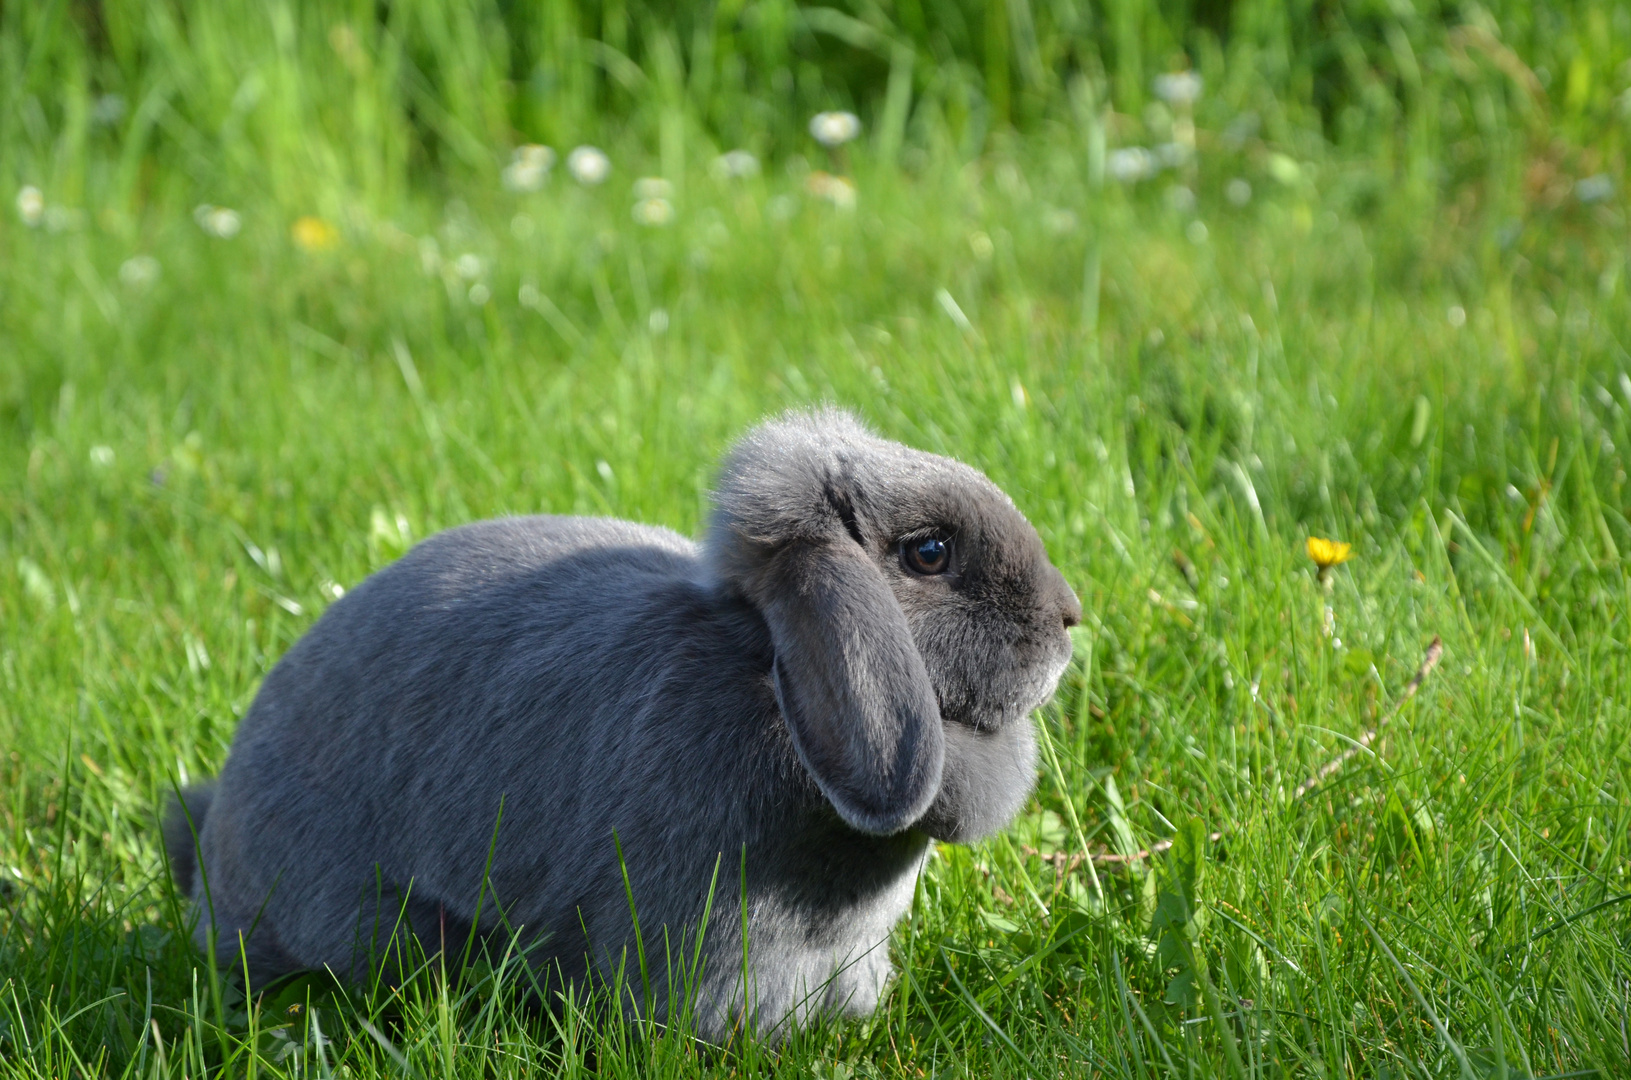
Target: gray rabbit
{"points": [[841, 671]]}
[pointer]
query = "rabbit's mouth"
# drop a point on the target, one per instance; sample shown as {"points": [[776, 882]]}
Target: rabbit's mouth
{"points": [[1044, 686], [989, 716]]}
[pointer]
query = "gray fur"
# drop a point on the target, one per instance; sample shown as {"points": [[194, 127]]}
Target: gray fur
{"points": [[183, 816], [789, 690]]}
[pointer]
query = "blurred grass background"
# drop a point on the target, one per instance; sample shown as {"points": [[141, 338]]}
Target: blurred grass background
{"points": [[313, 103], [1369, 285]]}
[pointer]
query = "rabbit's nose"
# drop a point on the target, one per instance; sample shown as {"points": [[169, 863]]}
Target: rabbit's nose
{"points": [[1070, 608]]}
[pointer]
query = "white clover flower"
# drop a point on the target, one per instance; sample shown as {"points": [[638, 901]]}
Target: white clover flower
{"points": [[652, 187], [535, 154], [219, 221], [522, 176], [1181, 88], [101, 456], [657, 211], [468, 266], [1129, 164], [139, 271], [734, 165], [1170, 155], [1594, 188], [30, 205], [834, 128], [588, 165], [528, 168], [1238, 191], [838, 190]]}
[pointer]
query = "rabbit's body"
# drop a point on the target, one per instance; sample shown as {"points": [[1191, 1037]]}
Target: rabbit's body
{"points": [[499, 704], [486, 605]]}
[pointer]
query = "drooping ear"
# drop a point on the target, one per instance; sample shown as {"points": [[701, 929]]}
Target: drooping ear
{"points": [[851, 684]]}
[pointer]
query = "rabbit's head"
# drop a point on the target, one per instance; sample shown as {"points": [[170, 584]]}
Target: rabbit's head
{"points": [[915, 617]]}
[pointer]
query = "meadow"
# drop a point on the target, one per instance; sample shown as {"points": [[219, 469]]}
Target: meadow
{"points": [[282, 292]]}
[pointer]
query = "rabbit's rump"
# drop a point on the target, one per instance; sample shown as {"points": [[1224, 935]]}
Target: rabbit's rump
{"points": [[438, 717]]}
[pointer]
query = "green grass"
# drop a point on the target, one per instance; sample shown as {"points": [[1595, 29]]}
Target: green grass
{"points": [[1412, 337]]}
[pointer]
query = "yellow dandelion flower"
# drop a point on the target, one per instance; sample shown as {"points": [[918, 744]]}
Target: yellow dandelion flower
{"points": [[1328, 553], [314, 234]]}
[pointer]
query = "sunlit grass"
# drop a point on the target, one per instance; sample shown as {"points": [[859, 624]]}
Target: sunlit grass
{"points": [[211, 431]]}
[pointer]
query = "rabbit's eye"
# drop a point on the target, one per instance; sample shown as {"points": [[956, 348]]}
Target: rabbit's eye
{"points": [[928, 555]]}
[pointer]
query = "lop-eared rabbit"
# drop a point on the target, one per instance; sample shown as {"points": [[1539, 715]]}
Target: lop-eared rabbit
{"points": [[843, 669]]}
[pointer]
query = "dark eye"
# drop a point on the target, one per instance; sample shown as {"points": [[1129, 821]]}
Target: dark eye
{"points": [[928, 555]]}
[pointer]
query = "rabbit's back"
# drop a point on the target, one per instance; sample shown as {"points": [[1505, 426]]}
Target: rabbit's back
{"points": [[548, 666]]}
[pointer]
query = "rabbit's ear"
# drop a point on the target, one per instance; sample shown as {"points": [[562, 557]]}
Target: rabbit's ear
{"points": [[851, 684]]}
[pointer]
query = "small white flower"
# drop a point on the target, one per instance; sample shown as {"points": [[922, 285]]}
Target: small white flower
{"points": [[534, 154], [1130, 164], [219, 221], [1594, 188], [652, 187], [139, 271], [332, 589], [1181, 88], [528, 168], [838, 190], [834, 128], [604, 468], [101, 456], [734, 165], [30, 205], [654, 211], [588, 165], [1238, 191], [479, 294], [1456, 316], [468, 266], [522, 176], [1169, 155]]}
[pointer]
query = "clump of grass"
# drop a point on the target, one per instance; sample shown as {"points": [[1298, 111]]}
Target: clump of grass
{"points": [[1405, 334]]}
